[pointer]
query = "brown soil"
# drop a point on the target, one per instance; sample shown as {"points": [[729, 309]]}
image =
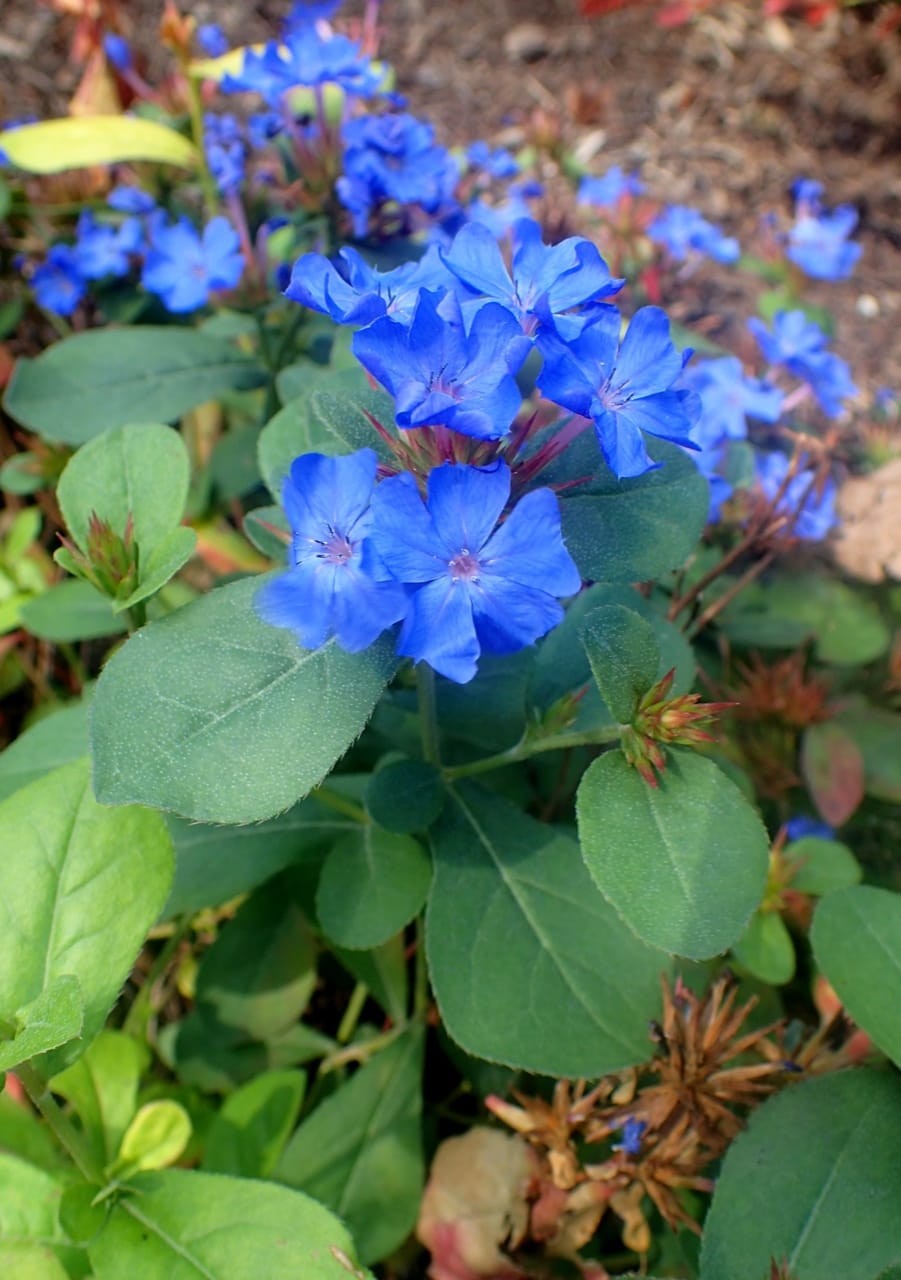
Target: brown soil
{"points": [[723, 114]]}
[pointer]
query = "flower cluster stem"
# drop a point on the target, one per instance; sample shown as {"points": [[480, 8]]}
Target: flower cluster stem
{"points": [[529, 747], [59, 1124], [428, 713]]}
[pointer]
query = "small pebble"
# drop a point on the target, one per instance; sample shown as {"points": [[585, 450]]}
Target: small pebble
{"points": [[868, 306]]}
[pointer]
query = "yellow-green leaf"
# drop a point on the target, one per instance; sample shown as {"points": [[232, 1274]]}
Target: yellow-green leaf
{"points": [[54, 145]]}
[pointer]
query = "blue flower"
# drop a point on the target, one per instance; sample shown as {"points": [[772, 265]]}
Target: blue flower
{"points": [[330, 587], [58, 283], [496, 161], [183, 268], [442, 373], [633, 1131], [625, 389], [125, 199], [800, 826], [682, 231], [118, 51], [729, 397], [310, 11], [305, 58], [212, 40], [817, 503], [608, 190], [545, 281], [353, 292], [818, 243], [103, 250], [800, 345], [473, 589], [393, 157], [225, 151]]}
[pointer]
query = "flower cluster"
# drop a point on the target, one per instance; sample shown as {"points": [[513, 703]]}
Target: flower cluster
{"points": [[818, 242], [365, 555]]}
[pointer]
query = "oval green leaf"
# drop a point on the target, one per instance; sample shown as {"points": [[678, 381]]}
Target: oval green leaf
{"points": [[373, 883], [530, 965], [76, 142], [766, 949], [684, 863], [856, 938], [215, 715], [250, 1130], [106, 378], [156, 1137], [814, 1181]]}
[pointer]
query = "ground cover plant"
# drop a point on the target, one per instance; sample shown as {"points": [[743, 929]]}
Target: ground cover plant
{"points": [[446, 787]]}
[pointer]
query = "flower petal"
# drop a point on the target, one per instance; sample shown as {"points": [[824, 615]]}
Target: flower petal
{"points": [[528, 548], [439, 629], [466, 503]]}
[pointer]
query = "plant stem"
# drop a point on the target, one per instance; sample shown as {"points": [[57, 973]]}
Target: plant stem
{"points": [[420, 973], [334, 800], [360, 1052], [63, 1130], [428, 713], [352, 1013], [139, 1014], [533, 747], [195, 110]]}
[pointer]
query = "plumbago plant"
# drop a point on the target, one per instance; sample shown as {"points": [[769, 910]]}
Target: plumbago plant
{"points": [[400, 763]]}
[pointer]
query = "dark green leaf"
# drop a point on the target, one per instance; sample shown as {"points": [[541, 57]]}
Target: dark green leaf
{"points": [[80, 885], [821, 865], [684, 863], [813, 1181], [360, 1152], [215, 715], [108, 377], [184, 1223], [263, 526], [530, 965], [54, 740], [384, 971], [624, 657], [877, 733], [856, 940], [373, 883], [404, 796], [251, 1129], [71, 611]]}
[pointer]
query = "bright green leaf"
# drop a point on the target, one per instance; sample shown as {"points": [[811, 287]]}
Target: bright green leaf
{"points": [[856, 938], [814, 1181], [76, 142], [624, 656], [360, 1152], [213, 714], [106, 378], [29, 1212], [182, 1224], [102, 1088], [530, 965], [80, 885], [250, 1130], [766, 950], [684, 863], [52, 1019], [373, 883], [156, 1137], [54, 740]]}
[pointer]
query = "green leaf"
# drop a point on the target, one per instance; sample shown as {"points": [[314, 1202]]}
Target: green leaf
{"points": [[345, 416], [384, 971], [766, 950], [530, 966], [93, 381], [71, 611], [54, 740], [141, 471], [52, 1019], [295, 429], [29, 1217], [156, 1137], [80, 885], [814, 1181], [360, 1152], [215, 864], [77, 142], [262, 527], [250, 1131], [102, 1087], [821, 865], [167, 558], [23, 1133], [832, 766], [215, 715], [684, 863], [259, 974], [856, 938], [217, 1058], [373, 883], [631, 530], [846, 627], [404, 796], [184, 1223], [624, 657]]}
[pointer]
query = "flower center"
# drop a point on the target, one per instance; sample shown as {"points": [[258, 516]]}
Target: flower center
{"points": [[464, 567], [337, 550]]}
